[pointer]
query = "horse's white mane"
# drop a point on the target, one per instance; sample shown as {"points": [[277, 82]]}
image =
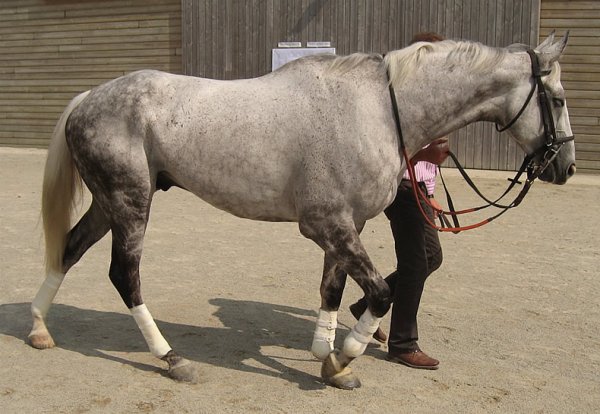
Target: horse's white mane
{"points": [[400, 63], [343, 64], [478, 57]]}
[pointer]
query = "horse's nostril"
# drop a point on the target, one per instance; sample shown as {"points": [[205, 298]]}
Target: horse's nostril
{"points": [[571, 170]]}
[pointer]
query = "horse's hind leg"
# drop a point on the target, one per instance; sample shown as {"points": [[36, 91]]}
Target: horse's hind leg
{"points": [[128, 226], [91, 228]]}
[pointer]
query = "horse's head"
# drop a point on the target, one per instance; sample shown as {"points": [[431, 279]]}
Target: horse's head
{"points": [[542, 125]]}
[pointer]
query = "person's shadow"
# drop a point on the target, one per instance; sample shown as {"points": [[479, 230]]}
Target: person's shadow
{"points": [[248, 327]]}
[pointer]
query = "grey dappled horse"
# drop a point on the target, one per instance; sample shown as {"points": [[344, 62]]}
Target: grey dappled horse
{"points": [[314, 142]]}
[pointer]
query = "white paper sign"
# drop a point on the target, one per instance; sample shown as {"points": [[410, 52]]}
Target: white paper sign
{"points": [[283, 56]]}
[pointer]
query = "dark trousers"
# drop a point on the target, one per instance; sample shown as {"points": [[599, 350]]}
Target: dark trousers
{"points": [[418, 254]]}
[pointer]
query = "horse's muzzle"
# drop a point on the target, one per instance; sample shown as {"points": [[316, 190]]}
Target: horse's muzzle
{"points": [[555, 175], [571, 170]]}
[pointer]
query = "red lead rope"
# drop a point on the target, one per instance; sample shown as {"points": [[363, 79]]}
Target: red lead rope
{"points": [[441, 213], [418, 193]]}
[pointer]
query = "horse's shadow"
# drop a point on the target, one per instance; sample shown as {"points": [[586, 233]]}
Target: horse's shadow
{"points": [[248, 327]]}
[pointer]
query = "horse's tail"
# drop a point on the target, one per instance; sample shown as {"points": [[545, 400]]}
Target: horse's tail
{"points": [[61, 183]]}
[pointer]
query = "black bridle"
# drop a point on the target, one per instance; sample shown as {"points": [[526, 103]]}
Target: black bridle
{"points": [[553, 144], [546, 154]]}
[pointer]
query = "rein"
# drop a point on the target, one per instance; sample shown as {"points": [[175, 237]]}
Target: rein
{"points": [[547, 152]]}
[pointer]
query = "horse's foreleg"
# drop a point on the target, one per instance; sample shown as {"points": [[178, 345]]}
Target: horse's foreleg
{"points": [[340, 241], [91, 228], [332, 287]]}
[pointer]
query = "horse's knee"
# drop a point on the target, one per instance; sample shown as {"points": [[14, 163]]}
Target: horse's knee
{"points": [[379, 299]]}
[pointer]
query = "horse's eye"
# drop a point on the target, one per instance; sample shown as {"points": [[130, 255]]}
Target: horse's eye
{"points": [[559, 102]]}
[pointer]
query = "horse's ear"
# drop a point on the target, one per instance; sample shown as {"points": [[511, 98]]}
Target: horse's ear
{"points": [[550, 53], [546, 42]]}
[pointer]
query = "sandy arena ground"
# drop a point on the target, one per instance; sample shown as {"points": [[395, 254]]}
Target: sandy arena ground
{"points": [[513, 314]]}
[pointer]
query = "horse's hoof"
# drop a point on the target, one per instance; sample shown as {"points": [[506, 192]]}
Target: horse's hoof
{"points": [[333, 374], [345, 380], [183, 371], [180, 369], [41, 341]]}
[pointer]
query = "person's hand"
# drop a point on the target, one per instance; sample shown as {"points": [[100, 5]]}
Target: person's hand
{"points": [[436, 152], [436, 206]]}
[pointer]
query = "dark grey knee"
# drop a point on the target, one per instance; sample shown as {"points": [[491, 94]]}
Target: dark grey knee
{"points": [[379, 298]]}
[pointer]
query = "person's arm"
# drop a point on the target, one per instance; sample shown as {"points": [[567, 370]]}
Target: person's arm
{"points": [[435, 153]]}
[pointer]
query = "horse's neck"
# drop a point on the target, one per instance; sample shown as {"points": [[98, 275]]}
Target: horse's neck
{"points": [[436, 101]]}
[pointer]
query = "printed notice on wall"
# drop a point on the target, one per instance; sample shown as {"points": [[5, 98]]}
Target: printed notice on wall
{"points": [[284, 55]]}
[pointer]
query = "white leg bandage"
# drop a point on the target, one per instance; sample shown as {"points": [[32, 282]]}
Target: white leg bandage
{"points": [[157, 344], [42, 301], [324, 335], [358, 338]]}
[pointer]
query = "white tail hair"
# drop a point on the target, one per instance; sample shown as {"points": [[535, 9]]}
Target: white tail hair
{"points": [[61, 183]]}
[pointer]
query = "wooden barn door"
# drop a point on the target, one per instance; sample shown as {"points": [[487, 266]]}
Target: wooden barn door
{"points": [[50, 50], [580, 72], [228, 39]]}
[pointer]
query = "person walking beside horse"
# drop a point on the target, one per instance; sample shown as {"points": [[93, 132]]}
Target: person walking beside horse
{"points": [[418, 253]]}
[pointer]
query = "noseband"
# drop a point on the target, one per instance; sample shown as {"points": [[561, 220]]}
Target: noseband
{"points": [[547, 153]]}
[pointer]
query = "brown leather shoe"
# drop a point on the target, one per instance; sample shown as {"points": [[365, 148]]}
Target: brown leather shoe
{"points": [[379, 335], [414, 359]]}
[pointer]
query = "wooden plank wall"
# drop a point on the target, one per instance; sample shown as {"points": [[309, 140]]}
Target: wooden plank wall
{"points": [[50, 50], [230, 39], [580, 72]]}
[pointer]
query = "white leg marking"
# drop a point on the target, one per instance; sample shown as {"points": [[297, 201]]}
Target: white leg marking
{"points": [[358, 338], [324, 336], [42, 301], [39, 336], [157, 344]]}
